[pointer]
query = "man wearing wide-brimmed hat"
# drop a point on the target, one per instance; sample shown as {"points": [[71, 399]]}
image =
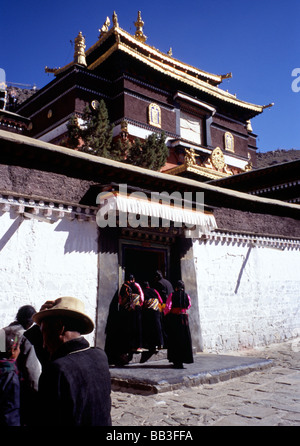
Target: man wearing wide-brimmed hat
{"points": [[74, 389]]}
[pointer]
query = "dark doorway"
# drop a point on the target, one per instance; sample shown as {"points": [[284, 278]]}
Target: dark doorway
{"points": [[142, 262]]}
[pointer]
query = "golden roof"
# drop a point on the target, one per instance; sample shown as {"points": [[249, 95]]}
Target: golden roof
{"points": [[136, 47]]}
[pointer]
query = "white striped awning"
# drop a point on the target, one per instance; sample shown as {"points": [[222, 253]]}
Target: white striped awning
{"points": [[197, 221]]}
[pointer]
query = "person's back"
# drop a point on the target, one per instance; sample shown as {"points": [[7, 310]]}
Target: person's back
{"points": [[163, 286], [9, 379], [9, 394], [75, 387]]}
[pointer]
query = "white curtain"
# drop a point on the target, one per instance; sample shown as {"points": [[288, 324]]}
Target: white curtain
{"points": [[190, 128]]}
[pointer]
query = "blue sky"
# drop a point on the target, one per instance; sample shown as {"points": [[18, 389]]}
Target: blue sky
{"points": [[255, 40]]}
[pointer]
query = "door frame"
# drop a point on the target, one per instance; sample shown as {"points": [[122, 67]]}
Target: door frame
{"points": [[143, 246]]}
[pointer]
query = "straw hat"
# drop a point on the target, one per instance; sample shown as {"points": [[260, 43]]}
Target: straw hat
{"points": [[67, 306]]}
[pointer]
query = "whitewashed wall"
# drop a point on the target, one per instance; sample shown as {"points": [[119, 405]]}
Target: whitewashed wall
{"points": [[248, 296], [41, 261]]}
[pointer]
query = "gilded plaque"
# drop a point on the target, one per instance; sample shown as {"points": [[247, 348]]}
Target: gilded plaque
{"points": [[154, 115]]}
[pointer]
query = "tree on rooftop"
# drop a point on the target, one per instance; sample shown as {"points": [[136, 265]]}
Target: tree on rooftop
{"points": [[97, 131], [95, 137], [151, 154]]}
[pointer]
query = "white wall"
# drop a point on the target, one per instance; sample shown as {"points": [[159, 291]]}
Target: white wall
{"points": [[41, 261], [247, 296]]}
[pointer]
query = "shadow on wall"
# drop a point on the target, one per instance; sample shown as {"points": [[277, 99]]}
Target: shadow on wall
{"points": [[10, 232], [242, 270], [82, 236]]}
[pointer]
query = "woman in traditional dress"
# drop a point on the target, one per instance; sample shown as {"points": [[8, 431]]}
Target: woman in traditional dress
{"points": [[151, 322], [178, 330], [131, 299]]}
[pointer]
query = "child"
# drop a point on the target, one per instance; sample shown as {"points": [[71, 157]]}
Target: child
{"points": [[9, 379]]}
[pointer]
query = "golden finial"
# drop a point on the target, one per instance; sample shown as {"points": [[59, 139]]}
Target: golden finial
{"points": [[115, 20], [79, 54], [139, 34], [105, 27], [170, 52]]}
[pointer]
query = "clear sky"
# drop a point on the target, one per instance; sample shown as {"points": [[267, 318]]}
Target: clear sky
{"points": [[258, 41]]}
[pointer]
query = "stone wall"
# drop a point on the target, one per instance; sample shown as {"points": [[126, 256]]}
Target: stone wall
{"points": [[248, 292], [41, 261]]}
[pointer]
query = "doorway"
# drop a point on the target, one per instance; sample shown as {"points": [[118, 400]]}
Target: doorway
{"points": [[143, 261]]}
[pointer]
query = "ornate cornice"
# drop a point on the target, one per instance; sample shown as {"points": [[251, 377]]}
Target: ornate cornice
{"points": [[45, 210], [252, 240]]}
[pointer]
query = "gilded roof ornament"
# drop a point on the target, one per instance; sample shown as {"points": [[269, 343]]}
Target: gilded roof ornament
{"points": [[115, 20], [170, 52], [105, 27], [248, 166], [190, 157], [249, 126], [226, 76], [139, 34], [79, 54], [50, 70]]}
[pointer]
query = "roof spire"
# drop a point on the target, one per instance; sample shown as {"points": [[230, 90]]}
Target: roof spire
{"points": [[79, 54], [139, 34]]}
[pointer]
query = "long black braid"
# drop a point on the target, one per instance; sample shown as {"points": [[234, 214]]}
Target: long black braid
{"points": [[180, 298]]}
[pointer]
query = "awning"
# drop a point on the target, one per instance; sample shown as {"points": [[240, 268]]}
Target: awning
{"points": [[195, 222]]}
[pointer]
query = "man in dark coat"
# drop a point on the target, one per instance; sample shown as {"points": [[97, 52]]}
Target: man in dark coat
{"points": [[163, 286], [75, 387]]}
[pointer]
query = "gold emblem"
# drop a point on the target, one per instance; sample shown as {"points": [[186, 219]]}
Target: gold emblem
{"points": [[217, 158]]}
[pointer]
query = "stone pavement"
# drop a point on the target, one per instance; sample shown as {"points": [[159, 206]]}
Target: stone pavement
{"points": [[260, 387], [160, 376]]}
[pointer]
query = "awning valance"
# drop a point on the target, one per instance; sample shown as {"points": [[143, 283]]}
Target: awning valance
{"points": [[197, 221]]}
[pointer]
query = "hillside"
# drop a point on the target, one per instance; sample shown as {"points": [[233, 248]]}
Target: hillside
{"points": [[15, 96], [277, 157]]}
